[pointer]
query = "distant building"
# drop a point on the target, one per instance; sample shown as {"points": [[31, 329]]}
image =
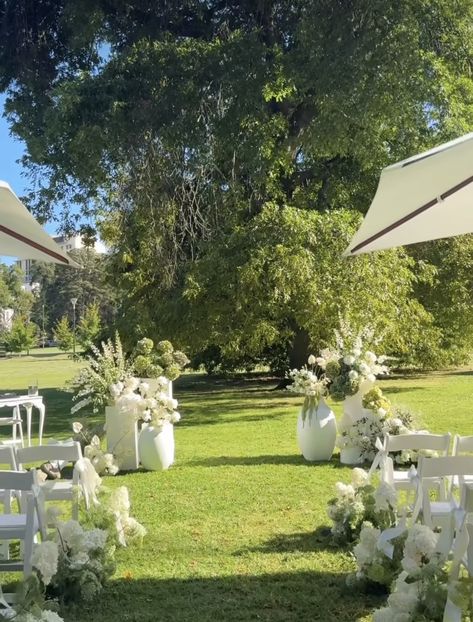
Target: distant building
{"points": [[66, 244]]}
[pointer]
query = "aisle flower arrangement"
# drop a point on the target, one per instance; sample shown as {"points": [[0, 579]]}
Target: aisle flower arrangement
{"points": [[358, 503]]}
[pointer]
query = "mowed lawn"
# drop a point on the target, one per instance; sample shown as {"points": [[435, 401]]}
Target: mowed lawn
{"points": [[237, 527]]}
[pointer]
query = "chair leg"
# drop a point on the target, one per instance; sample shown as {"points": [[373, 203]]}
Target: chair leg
{"points": [[28, 555]]}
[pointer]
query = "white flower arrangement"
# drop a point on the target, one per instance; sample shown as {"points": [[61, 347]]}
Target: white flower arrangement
{"points": [[135, 399], [349, 364], [305, 382], [360, 502]]}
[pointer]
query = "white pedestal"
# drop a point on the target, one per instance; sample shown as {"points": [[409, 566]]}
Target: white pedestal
{"points": [[122, 438]]}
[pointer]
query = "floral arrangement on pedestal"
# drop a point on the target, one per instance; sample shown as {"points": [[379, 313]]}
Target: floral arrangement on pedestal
{"points": [[150, 361], [110, 367], [305, 382], [316, 425], [109, 382], [350, 365]]}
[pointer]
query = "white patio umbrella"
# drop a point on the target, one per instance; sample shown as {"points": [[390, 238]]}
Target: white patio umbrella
{"points": [[22, 236], [426, 197]]}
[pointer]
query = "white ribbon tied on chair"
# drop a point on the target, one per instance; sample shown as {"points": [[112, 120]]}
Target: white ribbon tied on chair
{"points": [[384, 543], [89, 481], [417, 485], [380, 458]]}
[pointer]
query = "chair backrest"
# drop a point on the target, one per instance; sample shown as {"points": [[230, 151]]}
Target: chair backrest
{"points": [[462, 444], [70, 452], [416, 442], [18, 480], [445, 466], [7, 456]]}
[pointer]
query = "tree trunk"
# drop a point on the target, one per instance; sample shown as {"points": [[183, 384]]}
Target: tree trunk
{"points": [[298, 355]]}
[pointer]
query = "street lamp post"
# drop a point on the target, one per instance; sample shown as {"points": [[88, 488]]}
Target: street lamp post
{"points": [[73, 303]]}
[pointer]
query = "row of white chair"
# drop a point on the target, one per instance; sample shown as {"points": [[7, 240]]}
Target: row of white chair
{"points": [[31, 494]]}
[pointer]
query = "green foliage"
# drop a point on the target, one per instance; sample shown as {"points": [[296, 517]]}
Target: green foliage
{"points": [[23, 335], [105, 366], [89, 326], [63, 334], [204, 122]]}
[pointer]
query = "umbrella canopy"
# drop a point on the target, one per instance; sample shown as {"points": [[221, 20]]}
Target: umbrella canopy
{"points": [[22, 236], [426, 197]]}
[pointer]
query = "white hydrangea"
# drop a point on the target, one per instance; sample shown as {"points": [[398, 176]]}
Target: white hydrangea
{"points": [[420, 546], [94, 540], [366, 549], [72, 535], [45, 560], [385, 497], [345, 490]]}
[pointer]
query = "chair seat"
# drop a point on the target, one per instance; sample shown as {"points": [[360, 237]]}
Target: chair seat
{"points": [[57, 489], [14, 526]]}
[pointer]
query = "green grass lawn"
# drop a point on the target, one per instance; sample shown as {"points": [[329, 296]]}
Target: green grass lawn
{"points": [[235, 527]]}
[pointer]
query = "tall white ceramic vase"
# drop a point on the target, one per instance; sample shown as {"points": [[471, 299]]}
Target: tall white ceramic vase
{"points": [[316, 432], [156, 446], [122, 438]]}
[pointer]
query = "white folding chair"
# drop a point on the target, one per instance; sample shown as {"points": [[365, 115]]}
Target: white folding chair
{"points": [[462, 445], [402, 480], [430, 471], [57, 489], [26, 525]]}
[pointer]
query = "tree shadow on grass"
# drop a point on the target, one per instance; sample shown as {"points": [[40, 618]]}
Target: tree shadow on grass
{"points": [[287, 459], [303, 542], [282, 597]]}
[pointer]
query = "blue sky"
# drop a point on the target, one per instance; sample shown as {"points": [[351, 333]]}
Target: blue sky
{"points": [[11, 150]]}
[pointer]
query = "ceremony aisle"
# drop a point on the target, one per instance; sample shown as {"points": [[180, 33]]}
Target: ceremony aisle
{"points": [[237, 527]]}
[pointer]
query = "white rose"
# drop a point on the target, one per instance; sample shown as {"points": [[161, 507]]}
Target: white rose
{"points": [[353, 374], [349, 359], [356, 352], [77, 427]]}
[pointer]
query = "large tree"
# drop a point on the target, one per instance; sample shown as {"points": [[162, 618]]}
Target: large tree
{"points": [[180, 124]]}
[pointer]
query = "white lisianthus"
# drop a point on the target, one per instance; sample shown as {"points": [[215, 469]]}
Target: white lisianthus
{"points": [[77, 427], [311, 360], [132, 383], [349, 359]]}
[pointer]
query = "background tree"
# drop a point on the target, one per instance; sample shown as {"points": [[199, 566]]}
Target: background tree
{"points": [[89, 284], [89, 326], [182, 126], [63, 334], [23, 335]]}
